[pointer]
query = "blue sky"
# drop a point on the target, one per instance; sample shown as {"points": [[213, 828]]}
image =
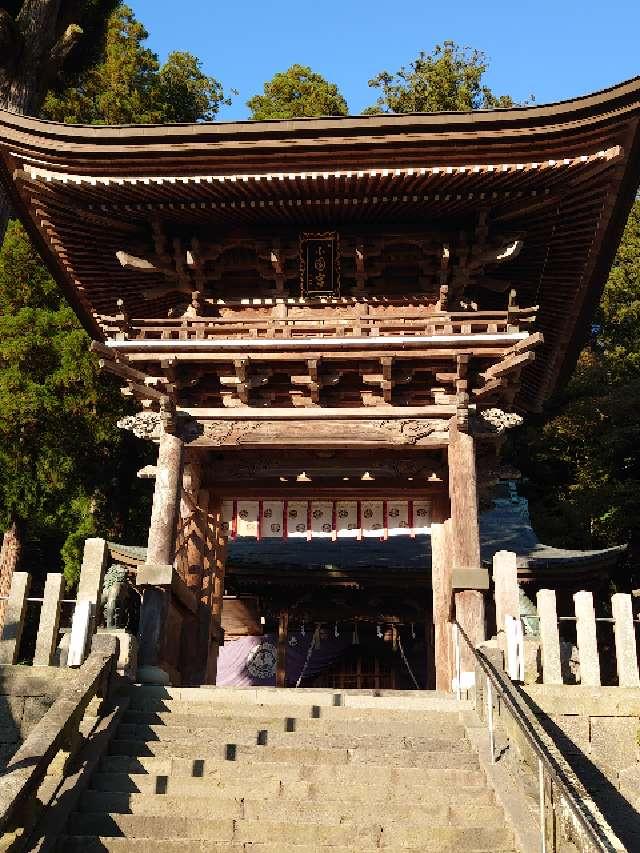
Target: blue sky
{"points": [[553, 50]]}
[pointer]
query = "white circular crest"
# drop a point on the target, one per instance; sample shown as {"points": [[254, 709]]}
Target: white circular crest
{"points": [[261, 661]]}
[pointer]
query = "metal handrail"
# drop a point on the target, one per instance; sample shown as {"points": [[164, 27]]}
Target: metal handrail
{"points": [[599, 835]]}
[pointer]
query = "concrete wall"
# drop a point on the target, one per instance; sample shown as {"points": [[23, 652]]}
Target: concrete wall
{"points": [[26, 694]]}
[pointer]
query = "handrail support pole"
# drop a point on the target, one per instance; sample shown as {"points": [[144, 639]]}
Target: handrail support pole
{"points": [[492, 736], [543, 821], [456, 633]]}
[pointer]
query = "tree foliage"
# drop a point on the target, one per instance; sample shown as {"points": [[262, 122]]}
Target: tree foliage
{"points": [[66, 470], [582, 459], [295, 93], [129, 86], [38, 38], [61, 454], [448, 79]]}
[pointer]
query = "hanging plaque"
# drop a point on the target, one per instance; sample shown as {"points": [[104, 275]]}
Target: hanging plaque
{"points": [[320, 264]]}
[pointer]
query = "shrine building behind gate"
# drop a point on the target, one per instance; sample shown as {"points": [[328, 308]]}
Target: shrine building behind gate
{"points": [[327, 326]]}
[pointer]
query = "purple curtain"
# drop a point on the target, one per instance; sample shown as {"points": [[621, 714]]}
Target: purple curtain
{"points": [[250, 661]]}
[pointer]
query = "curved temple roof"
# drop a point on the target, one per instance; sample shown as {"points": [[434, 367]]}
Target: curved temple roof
{"points": [[564, 175]]}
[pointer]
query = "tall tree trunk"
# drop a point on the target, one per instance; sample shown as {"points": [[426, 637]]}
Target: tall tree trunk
{"points": [[9, 562], [32, 51]]}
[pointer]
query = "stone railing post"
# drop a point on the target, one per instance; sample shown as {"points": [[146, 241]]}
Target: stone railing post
{"points": [[14, 618], [507, 594], [625, 635], [94, 564], [549, 636], [49, 620], [587, 639]]}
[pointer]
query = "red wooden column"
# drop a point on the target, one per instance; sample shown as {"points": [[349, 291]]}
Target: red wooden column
{"points": [[468, 577], [441, 563]]}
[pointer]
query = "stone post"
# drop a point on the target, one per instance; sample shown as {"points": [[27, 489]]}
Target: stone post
{"points": [[587, 639], [47, 639], [14, 618], [94, 563], [160, 552], [549, 636], [625, 634], [507, 593], [470, 617]]}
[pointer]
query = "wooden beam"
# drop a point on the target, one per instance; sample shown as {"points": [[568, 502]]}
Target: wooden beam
{"points": [[300, 432], [508, 365]]}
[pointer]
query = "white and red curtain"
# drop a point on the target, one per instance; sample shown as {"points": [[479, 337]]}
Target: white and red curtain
{"points": [[344, 519]]}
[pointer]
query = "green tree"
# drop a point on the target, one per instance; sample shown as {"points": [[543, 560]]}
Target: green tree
{"points": [[60, 450], [581, 459], [66, 470], [295, 93], [448, 79], [129, 86], [37, 39]]}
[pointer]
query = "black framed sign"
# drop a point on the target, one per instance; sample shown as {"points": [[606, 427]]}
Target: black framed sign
{"points": [[320, 264]]}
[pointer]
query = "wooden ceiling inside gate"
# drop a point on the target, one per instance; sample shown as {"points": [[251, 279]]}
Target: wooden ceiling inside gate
{"points": [[151, 214]]}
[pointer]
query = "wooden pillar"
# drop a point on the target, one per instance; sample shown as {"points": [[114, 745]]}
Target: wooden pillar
{"points": [[166, 500], [463, 494], [160, 551], [212, 596], [442, 595], [190, 557], [281, 665], [465, 535]]}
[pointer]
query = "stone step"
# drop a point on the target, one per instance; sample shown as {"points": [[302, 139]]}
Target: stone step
{"points": [[405, 701], [200, 804], [134, 826], [340, 739], [429, 723], [298, 709], [195, 748], [130, 772], [305, 739], [425, 786], [317, 783], [105, 844]]}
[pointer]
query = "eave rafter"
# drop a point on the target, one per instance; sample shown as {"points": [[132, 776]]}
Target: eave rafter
{"points": [[563, 176]]}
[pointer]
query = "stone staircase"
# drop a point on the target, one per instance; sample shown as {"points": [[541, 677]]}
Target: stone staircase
{"points": [[271, 770]]}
